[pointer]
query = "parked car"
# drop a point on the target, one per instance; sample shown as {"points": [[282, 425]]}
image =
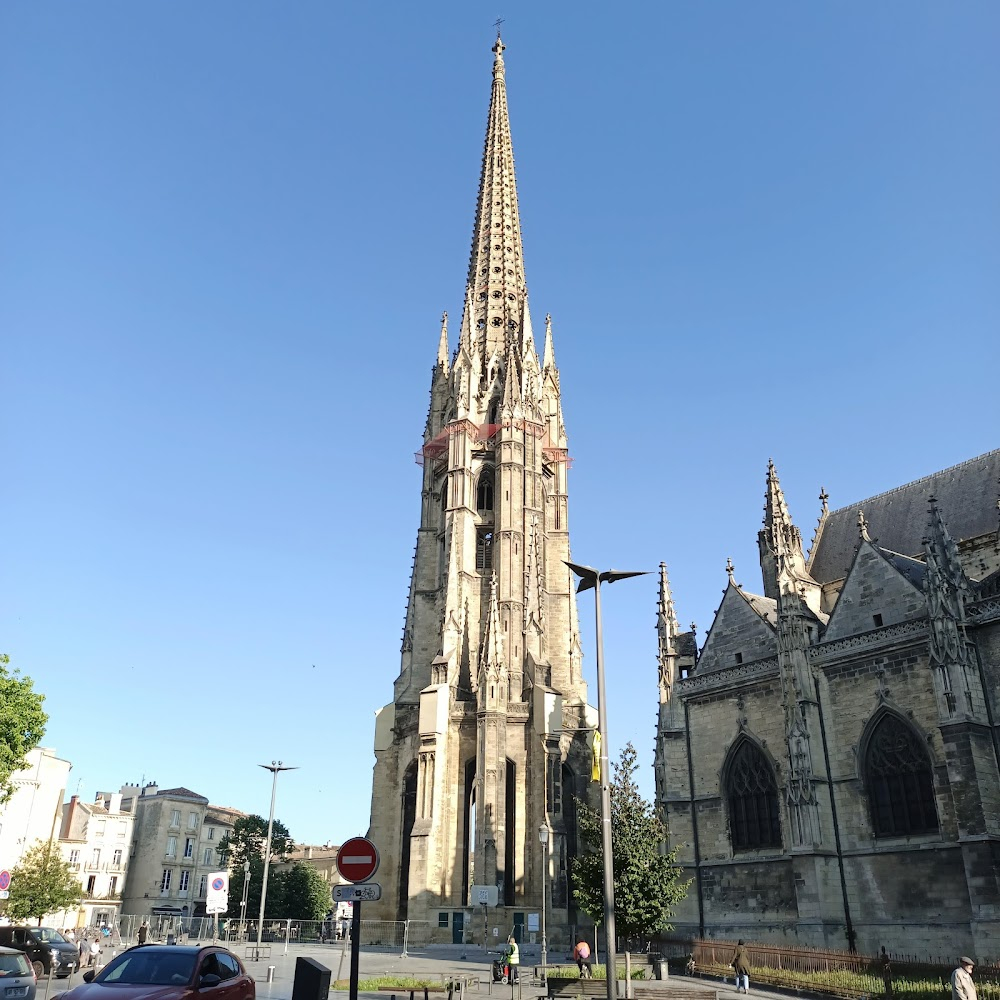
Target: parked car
{"points": [[167, 972], [17, 978], [45, 947]]}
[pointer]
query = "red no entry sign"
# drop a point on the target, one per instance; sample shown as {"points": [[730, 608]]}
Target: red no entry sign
{"points": [[357, 859], [4, 880]]}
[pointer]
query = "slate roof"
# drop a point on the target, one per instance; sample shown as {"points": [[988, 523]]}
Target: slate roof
{"points": [[764, 606], [897, 520], [181, 793], [686, 644]]}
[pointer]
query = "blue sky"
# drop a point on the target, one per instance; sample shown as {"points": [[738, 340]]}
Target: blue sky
{"points": [[230, 229]]}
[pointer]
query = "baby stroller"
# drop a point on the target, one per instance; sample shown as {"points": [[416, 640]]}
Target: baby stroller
{"points": [[501, 970]]}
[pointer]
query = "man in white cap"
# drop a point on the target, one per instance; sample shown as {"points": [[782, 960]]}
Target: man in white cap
{"points": [[962, 986]]}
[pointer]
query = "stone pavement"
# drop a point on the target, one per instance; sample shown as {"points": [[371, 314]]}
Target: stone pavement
{"points": [[430, 962]]}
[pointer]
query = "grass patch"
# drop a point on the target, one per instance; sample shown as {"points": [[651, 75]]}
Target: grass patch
{"points": [[389, 982]]}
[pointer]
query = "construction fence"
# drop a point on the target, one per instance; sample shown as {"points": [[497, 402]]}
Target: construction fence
{"points": [[376, 935]]}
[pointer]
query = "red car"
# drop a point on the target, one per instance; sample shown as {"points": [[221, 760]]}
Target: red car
{"points": [[168, 972]]}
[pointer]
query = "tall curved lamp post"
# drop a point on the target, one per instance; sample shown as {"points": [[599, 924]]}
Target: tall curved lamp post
{"points": [[275, 767], [591, 579]]}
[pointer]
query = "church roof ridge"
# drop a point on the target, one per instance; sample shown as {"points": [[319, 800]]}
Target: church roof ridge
{"points": [[853, 507]]}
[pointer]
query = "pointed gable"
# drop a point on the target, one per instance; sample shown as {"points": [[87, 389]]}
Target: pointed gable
{"points": [[740, 632], [876, 592]]}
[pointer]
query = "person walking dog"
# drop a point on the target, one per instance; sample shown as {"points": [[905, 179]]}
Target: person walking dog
{"points": [[741, 966], [581, 953]]}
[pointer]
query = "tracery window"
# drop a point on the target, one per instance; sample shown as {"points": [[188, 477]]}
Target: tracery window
{"points": [[754, 819], [484, 491], [898, 779]]}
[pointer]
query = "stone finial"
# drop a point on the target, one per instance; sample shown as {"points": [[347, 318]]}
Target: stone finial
{"points": [[824, 499], [863, 527], [730, 570]]}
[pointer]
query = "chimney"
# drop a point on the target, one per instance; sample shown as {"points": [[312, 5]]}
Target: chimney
{"points": [[67, 818], [115, 802]]}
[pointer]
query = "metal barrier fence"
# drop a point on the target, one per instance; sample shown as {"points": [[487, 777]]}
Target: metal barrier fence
{"points": [[840, 973], [376, 935]]}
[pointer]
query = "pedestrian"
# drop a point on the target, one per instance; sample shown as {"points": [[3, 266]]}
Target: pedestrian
{"points": [[962, 986], [741, 966], [513, 957], [84, 952], [143, 931], [95, 952], [581, 952]]}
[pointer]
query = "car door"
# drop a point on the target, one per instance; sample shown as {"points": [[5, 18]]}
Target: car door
{"points": [[226, 988], [240, 985]]}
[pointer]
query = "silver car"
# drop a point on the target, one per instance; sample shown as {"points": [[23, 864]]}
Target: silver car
{"points": [[17, 978]]}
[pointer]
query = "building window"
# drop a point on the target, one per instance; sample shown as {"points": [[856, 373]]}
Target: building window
{"points": [[102, 825], [484, 551], [553, 784], [189, 847], [74, 857], [171, 847], [95, 858], [91, 883], [442, 919], [753, 799], [898, 779], [211, 833], [192, 821], [484, 491], [209, 857], [183, 881], [113, 885], [175, 817], [165, 880], [116, 858], [202, 886]]}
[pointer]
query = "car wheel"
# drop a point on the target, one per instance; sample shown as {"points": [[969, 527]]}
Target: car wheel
{"points": [[39, 969]]}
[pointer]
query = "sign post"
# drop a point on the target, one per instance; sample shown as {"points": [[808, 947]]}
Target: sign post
{"points": [[217, 899], [357, 861]]}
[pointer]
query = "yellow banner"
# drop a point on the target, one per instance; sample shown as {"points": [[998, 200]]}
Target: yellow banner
{"points": [[595, 770]]}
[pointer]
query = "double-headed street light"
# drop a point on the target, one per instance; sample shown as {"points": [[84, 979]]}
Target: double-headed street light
{"points": [[591, 579], [543, 839], [274, 767]]}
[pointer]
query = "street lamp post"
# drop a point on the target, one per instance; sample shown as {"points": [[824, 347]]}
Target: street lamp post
{"points": [[274, 767], [591, 579], [243, 902], [543, 839]]}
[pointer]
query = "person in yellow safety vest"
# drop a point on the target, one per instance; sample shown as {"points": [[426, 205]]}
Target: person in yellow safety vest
{"points": [[513, 957]]}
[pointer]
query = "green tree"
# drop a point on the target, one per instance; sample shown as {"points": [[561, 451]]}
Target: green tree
{"points": [[303, 893], [646, 878], [40, 883], [22, 724], [246, 843]]}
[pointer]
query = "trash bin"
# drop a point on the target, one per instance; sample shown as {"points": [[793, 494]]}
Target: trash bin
{"points": [[660, 969], [312, 980]]}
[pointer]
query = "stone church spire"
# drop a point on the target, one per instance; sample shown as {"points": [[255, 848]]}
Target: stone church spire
{"points": [[497, 286], [782, 562], [489, 708]]}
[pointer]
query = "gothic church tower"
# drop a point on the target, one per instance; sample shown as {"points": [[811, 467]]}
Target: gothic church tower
{"points": [[486, 737]]}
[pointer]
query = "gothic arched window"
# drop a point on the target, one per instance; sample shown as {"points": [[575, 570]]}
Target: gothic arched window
{"points": [[753, 799], [898, 779], [484, 491]]}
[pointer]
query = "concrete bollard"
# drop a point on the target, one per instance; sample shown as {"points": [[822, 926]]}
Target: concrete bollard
{"points": [[270, 973]]}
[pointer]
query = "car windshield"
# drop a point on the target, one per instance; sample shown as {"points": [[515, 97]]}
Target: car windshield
{"points": [[14, 965], [48, 936], [149, 967]]}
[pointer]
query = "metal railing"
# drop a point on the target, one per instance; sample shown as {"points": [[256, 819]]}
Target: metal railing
{"points": [[840, 973]]}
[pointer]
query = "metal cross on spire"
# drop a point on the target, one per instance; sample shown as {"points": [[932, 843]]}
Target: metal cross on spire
{"points": [[497, 23]]}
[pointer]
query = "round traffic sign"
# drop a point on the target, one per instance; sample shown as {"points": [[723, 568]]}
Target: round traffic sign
{"points": [[4, 880], [218, 883], [357, 859]]}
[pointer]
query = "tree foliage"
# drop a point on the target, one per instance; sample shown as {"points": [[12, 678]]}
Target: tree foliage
{"points": [[301, 893], [22, 724], [41, 883], [247, 843], [645, 876]]}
